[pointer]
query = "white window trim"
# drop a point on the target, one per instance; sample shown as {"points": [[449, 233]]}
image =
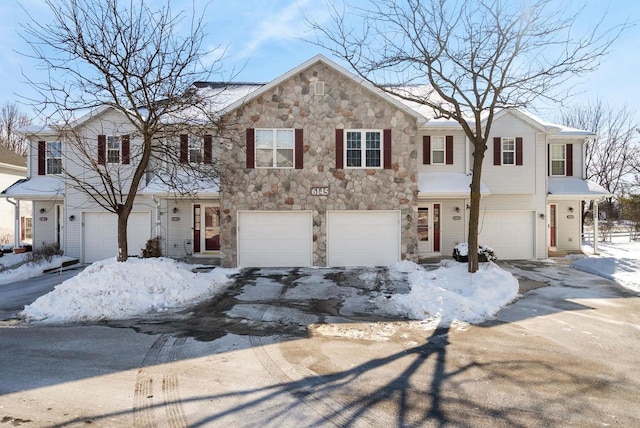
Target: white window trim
{"points": [[443, 150], [564, 161], [28, 228], [274, 148], [110, 139], [195, 143], [363, 148], [503, 151], [47, 157]]}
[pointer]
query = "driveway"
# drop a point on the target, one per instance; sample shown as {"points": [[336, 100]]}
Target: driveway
{"points": [[296, 348]]}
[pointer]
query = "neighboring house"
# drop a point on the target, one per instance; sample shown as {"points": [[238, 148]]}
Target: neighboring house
{"points": [[13, 167], [324, 169]]}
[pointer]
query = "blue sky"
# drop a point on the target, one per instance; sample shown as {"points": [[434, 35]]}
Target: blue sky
{"points": [[263, 41]]}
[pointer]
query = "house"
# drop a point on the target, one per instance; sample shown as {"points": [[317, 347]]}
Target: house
{"points": [[323, 169], [13, 167]]}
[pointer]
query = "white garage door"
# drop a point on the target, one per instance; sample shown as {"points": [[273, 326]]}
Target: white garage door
{"points": [[100, 234], [363, 238], [275, 238], [509, 233]]}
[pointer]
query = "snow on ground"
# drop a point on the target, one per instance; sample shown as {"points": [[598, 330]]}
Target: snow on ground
{"points": [[111, 290], [25, 270], [618, 260], [451, 294]]}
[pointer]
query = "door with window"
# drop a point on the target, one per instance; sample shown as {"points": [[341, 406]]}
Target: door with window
{"points": [[206, 228], [59, 225], [429, 229], [553, 225]]}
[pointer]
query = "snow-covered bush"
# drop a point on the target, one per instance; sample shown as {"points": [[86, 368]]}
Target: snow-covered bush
{"points": [[485, 253]]}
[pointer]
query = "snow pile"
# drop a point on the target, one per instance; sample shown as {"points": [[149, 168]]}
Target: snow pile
{"points": [[27, 270], [618, 261], [111, 290], [450, 293]]}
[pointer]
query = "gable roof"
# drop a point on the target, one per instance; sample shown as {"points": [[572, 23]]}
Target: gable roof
{"points": [[321, 59]]}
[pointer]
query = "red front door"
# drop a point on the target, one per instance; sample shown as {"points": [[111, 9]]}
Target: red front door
{"points": [[196, 228], [436, 228], [552, 224]]}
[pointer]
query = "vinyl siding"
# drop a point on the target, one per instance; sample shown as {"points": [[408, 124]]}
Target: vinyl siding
{"points": [[458, 152]]}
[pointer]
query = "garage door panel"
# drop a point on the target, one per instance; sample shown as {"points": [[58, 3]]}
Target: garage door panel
{"points": [[509, 233], [275, 239], [363, 238], [100, 234]]}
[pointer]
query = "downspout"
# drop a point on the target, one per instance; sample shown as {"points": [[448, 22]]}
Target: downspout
{"points": [[16, 225], [595, 226], [159, 221]]}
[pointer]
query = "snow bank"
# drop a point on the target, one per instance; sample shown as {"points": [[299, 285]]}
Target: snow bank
{"points": [[27, 270], [111, 290], [618, 261], [450, 293]]}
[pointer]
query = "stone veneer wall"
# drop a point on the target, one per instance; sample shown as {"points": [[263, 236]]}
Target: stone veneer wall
{"points": [[346, 105]]}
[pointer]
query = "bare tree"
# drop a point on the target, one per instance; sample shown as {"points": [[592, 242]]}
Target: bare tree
{"points": [[477, 56], [611, 155], [11, 119], [131, 58]]}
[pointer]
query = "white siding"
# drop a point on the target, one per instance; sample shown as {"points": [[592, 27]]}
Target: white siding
{"points": [[568, 235], [459, 152]]}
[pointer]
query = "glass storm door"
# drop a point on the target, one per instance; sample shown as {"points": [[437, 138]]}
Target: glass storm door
{"points": [[429, 229], [211, 230], [552, 225]]}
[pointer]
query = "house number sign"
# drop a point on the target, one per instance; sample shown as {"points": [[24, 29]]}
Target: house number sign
{"points": [[320, 191]]}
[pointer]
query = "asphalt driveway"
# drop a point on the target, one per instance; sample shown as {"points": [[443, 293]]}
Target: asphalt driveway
{"points": [[281, 350]]}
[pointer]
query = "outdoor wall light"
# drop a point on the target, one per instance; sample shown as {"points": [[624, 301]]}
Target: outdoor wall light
{"points": [[457, 209], [175, 210], [468, 206], [42, 210], [570, 209], [72, 217], [542, 215]]}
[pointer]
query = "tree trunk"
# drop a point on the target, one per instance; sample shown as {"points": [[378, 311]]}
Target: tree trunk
{"points": [[123, 218], [474, 212]]}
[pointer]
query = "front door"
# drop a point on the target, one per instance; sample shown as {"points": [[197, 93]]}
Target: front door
{"points": [[59, 225], [552, 225], [206, 228], [429, 229]]}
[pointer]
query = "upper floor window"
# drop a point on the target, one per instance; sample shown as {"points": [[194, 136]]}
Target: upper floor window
{"points": [[363, 149], [274, 148], [508, 151], [437, 150], [113, 149], [195, 149], [54, 157], [558, 159]]}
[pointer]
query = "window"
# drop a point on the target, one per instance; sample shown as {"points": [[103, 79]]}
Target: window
{"points": [[113, 149], [54, 157], [558, 159], [508, 151], [28, 228], [370, 151], [437, 151], [423, 224], [195, 149], [274, 148]]}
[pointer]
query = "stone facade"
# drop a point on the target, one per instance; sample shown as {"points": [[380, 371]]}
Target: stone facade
{"points": [[344, 105]]}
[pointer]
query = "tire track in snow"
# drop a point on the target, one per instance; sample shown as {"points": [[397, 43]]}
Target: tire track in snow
{"points": [[144, 406]]}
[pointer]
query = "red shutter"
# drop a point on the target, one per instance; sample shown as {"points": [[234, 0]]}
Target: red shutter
{"points": [[387, 148], [339, 148], [549, 159], [42, 157], [184, 148], [426, 150], [518, 150], [208, 154], [251, 147], [497, 151], [299, 148], [126, 150], [102, 149], [449, 150], [569, 160]]}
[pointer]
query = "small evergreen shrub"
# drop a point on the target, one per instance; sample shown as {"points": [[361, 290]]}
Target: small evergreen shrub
{"points": [[153, 248]]}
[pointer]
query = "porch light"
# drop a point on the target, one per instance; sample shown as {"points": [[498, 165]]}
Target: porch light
{"points": [[42, 210], [72, 217], [542, 215], [175, 210], [570, 209], [457, 209]]}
